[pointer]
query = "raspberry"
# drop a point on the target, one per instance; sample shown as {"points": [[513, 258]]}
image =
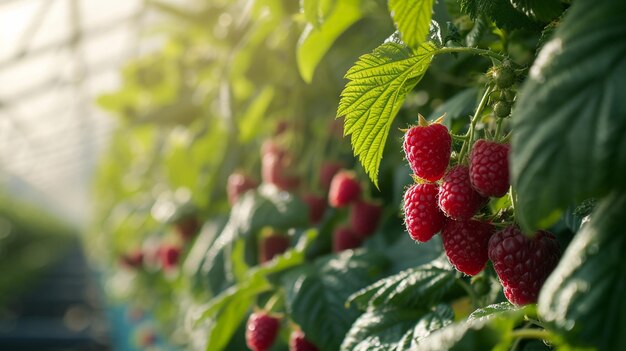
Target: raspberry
{"points": [[428, 149], [344, 189], [272, 244], [275, 166], [344, 238], [489, 168], [317, 207], [298, 342], [261, 331], [457, 199], [364, 218], [422, 216], [169, 256], [327, 172], [237, 185], [466, 244], [187, 227], [523, 263]]}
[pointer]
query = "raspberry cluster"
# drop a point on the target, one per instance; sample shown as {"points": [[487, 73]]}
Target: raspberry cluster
{"points": [[446, 198], [345, 191]]}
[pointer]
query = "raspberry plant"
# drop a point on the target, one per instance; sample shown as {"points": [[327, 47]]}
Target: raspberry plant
{"points": [[416, 234]]}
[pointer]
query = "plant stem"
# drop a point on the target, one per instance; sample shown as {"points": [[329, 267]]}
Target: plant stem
{"points": [[498, 129], [475, 51], [470, 133], [535, 322], [539, 334]]}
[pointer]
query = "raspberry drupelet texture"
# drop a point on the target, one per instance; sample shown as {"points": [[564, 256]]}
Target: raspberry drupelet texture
{"points": [[522, 263], [422, 216], [489, 168], [466, 244], [427, 150], [457, 199]]}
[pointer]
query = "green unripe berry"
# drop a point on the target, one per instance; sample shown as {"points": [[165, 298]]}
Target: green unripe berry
{"points": [[504, 76], [502, 109]]}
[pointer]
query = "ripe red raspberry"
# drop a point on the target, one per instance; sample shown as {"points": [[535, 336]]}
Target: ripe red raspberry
{"points": [[238, 183], [344, 189], [489, 168], [317, 207], [466, 244], [457, 199], [327, 172], [261, 331], [422, 216], [276, 167], [364, 218], [344, 238], [187, 227], [298, 342], [523, 263], [428, 148], [169, 256], [272, 244]]}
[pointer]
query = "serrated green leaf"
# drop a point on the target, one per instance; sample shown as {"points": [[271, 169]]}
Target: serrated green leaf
{"points": [[378, 84], [543, 10], [583, 298], [568, 135], [499, 11], [391, 328], [477, 334], [314, 42], [419, 287], [316, 294], [412, 18]]}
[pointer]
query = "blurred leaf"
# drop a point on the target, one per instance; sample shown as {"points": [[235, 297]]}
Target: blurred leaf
{"points": [[316, 294], [315, 42], [488, 311], [583, 297], [378, 84], [412, 18], [252, 119], [460, 105], [551, 169]]}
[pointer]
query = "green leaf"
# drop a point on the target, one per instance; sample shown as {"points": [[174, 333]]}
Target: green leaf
{"points": [[583, 298], [316, 11], [391, 328], [568, 134], [314, 42], [315, 295], [499, 11], [420, 287], [412, 18], [460, 105], [378, 84], [488, 311], [491, 332], [252, 119], [543, 10]]}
